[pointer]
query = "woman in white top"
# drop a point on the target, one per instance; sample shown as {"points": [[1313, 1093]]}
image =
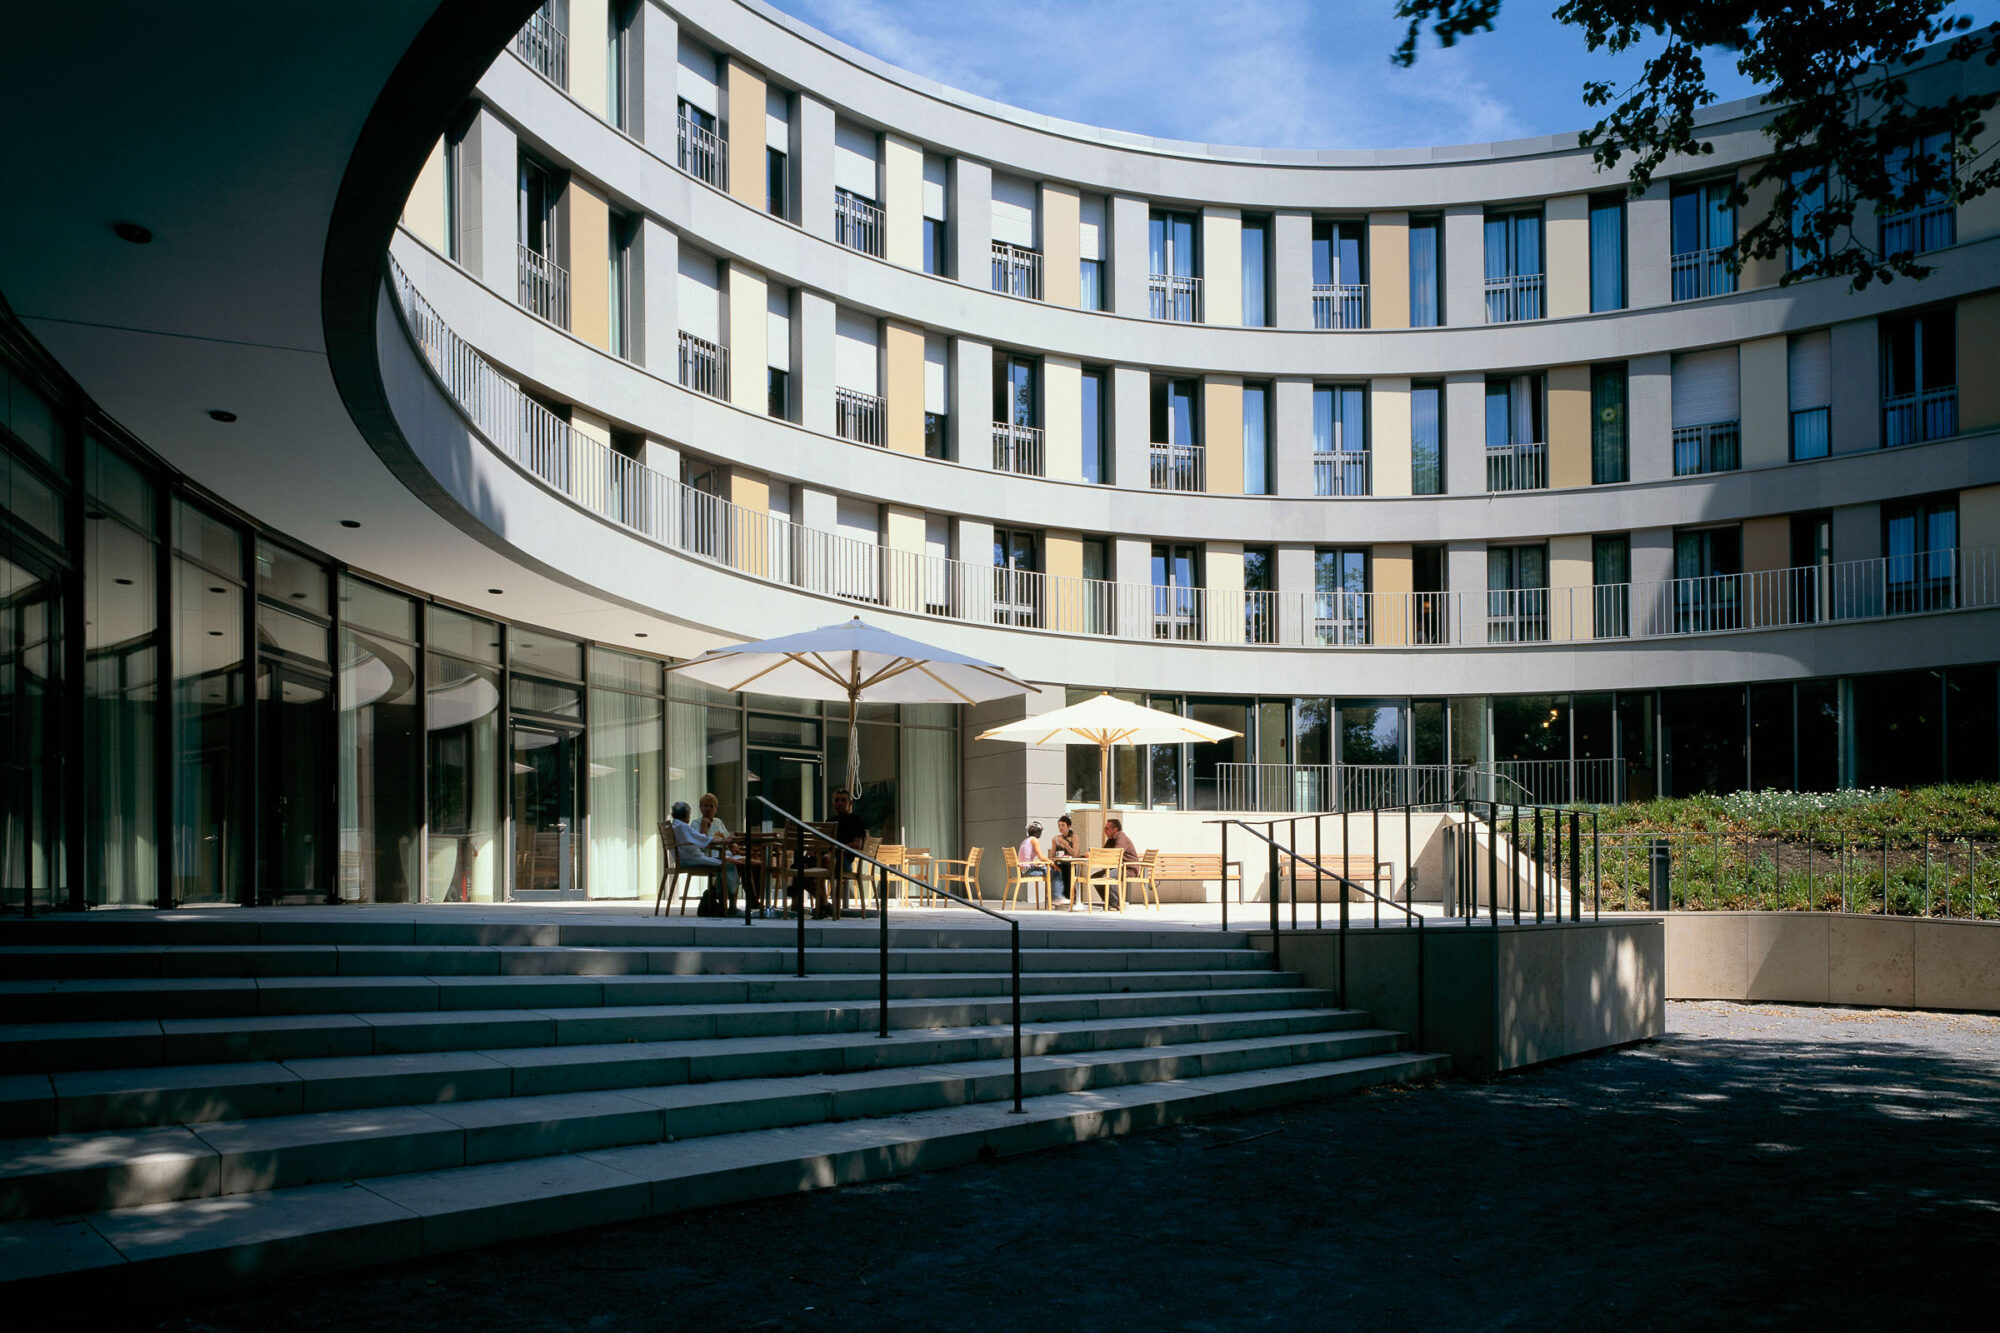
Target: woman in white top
{"points": [[1034, 865], [719, 838]]}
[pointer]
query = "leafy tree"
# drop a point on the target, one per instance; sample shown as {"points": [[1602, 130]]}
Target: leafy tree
{"points": [[1847, 135]]}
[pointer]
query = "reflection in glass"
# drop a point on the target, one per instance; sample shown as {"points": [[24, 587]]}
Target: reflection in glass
{"points": [[30, 679], [463, 740], [121, 692], [626, 749], [208, 733], [381, 770], [930, 783]]}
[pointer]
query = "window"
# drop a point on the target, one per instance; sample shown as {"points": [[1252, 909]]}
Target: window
{"points": [[1429, 606], [1516, 454], [1707, 411], [624, 309], [1017, 262], [1256, 272], [778, 351], [857, 218], [937, 258], [1426, 439], [1340, 282], [1425, 279], [1517, 594], [702, 153], [1177, 460], [1920, 176], [1097, 604], [1607, 252], [778, 394], [1809, 375], [1808, 211], [1608, 448], [1017, 436], [544, 282], [543, 42], [1611, 593], [1096, 462], [1090, 237], [1340, 439], [1704, 227], [1175, 281], [1920, 540], [777, 149], [1256, 439], [1340, 596], [1919, 377], [619, 47], [937, 396], [1513, 266], [1017, 586], [1177, 592], [1260, 586], [776, 183], [1708, 579]]}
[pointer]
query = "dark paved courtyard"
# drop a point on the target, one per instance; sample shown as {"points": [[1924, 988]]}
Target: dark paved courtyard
{"points": [[1759, 1166]]}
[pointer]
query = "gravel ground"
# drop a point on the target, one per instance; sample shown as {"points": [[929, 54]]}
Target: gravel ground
{"points": [[1760, 1166]]}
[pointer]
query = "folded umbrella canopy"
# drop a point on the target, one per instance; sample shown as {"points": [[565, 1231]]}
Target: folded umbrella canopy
{"points": [[1105, 722], [854, 661]]}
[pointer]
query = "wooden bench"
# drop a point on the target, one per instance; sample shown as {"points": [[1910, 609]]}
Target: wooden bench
{"points": [[1356, 869], [1183, 865]]}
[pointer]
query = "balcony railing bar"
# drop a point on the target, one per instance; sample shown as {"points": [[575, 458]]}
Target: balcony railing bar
{"points": [[545, 47], [704, 366], [1342, 472], [1340, 305], [1017, 449], [544, 287], [857, 416], [1698, 273], [1017, 271], [1517, 467], [1513, 298], [1912, 418], [1715, 447], [1175, 297], [857, 224], [1179, 467], [703, 154]]}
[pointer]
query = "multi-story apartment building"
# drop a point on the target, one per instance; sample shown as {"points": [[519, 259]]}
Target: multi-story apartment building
{"points": [[356, 497]]}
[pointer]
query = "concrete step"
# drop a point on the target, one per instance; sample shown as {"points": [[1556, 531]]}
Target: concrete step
{"points": [[41, 1001], [114, 1099], [74, 1173], [203, 1244]]}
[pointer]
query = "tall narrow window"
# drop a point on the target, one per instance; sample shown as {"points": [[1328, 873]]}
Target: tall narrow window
{"points": [[778, 351], [702, 153], [1919, 377], [1809, 386], [1340, 595], [1609, 461], [1091, 234], [1704, 227], [544, 281], [1017, 584], [1096, 463], [1177, 592], [1175, 280], [777, 152], [1425, 278], [1607, 252], [1340, 439], [857, 217], [1256, 272], [1426, 439], [623, 309], [1707, 411], [1920, 541], [1256, 439], [1017, 435], [1260, 588], [1178, 461], [1808, 213], [1340, 281], [936, 175], [1517, 594], [618, 88], [1708, 579], [1513, 266], [1923, 218], [937, 396], [1516, 452], [1611, 579]]}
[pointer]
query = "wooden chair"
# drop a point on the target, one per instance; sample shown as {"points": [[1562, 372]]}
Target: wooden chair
{"points": [[859, 875], [917, 865], [1018, 880], [962, 872], [1145, 876], [895, 855], [1104, 870], [780, 871], [673, 872]]}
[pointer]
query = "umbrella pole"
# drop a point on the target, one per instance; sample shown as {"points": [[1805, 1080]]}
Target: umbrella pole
{"points": [[1103, 785], [853, 751]]}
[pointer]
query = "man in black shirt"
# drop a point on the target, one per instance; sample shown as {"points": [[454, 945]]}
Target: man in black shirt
{"points": [[851, 831]]}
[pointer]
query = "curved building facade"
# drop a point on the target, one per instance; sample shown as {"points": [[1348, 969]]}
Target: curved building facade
{"points": [[1441, 470]]}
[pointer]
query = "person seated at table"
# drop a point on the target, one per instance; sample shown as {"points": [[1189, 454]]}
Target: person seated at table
{"points": [[695, 848], [850, 830], [1064, 850], [1115, 836], [1034, 864], [722, 843]]}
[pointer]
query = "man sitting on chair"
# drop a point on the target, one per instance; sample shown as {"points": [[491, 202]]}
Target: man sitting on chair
{"points": [[850, 830], [694, 848], [1115, 836]]}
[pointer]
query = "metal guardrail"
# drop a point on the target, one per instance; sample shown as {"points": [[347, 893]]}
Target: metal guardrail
{"points": [[858, 417], [1304, 789], [1514, 298], [857, 223], [544, 287], [1715, 447], [1340, 305], [1517, 467], [751, 542], [1529, 847], [702, 154], [1343, 472], [1697, 273], [544, 46], [1017, 271], [1175, 297], [1920, 230], [1178, 467], [1912, 418], [1017, 449], [704, 366]]}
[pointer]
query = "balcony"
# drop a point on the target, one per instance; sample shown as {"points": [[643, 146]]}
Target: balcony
{"points": [[1017, 597], [703, 154], [858, 417], [1514, 298], [1912, 418], [1175, 297], [1177, 612], [1017, 271], [544, 46], [1517, 615], [1699, 273], [857, 223], [1716, 447], [1517, 467], [1340, 618], [1932, 227], [1017, 449], [1343, 472], [704, 366], [1340, 305], [1179, 467], [544, 287]]}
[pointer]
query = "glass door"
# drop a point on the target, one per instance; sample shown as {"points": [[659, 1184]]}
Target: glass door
{"points": [[30, 679], [546, 841], [789, 781], [295, 721]]}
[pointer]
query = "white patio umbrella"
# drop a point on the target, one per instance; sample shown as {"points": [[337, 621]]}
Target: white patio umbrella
{"points": [[1105, 722], [854, 661]]}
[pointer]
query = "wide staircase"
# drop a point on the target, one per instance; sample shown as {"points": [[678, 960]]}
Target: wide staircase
{"points": [[208, 1099]]}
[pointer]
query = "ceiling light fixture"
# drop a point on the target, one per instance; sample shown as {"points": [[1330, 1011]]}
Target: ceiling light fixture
{"points": [[496, 591], [349, 523], [217, 414], [639, 634], [133, 232]]}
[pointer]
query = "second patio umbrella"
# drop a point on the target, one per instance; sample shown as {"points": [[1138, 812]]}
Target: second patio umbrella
{"points": [[1105, 722]]}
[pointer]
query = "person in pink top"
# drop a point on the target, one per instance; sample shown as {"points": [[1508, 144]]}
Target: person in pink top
{"points": [[1034, 865]]}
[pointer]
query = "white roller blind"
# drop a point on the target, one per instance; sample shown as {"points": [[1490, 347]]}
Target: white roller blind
{"points": [[937, 550], [1811, 370], [854, 156], [937, 373], [1705, 387], [1014, 211], [854, 352], [1091, 212], [777, 120], [778, 327], [856, 573], [700, 296], [936, 175], [860, 520], [697, 80]]}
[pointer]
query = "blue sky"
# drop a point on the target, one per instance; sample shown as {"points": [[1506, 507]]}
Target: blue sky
{"points": [[1272, 73]]}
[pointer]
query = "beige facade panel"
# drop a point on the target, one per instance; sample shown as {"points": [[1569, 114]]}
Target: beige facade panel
{"points": [[1978, 385], [750, 552], [1758, 272], [1223, 620], [1222, 267], [1567, 220], [1062, 419], [1981, 217], [1393, 576], [1222, 433], [589, 55], [425, 212], [1979, 516], [903, 363], [749, 325], [1570, 567], [589, 263], [903, 202], [1389, 270], [1389, 436], [743, 92], [1569, 426], [1767, 542], [1062, 243], [1062, 560], [1765, 396], [903, 533]]}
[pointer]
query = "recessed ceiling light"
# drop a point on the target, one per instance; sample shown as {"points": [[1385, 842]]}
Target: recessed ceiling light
{"points": [[217, 414], [133, 232], [93, 514], [639, 634], [496, 591], [298, 597], [123, 582], [215, 634], [349, 523], [216, 590]]}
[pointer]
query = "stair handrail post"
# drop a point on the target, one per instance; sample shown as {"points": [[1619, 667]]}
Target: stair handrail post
{"points": [[798, 891], [1271, 849], [882, 958], [1222, 886], [1493, 863], [1014, 941]]}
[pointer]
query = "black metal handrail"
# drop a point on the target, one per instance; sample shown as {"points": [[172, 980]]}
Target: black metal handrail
{"points": [[804, 830], [1551, 837]]}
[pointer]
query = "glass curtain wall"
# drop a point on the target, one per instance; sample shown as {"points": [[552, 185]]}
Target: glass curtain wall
{"points": [[381, 761], [121, 681], [929, 778], [211, 782], [463, 716], [627, 712]]}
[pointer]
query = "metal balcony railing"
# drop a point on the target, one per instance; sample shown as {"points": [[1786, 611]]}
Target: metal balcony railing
{"points": [[1698, 273], [858, 417], [1517, 615], [1715, 447], [1179, 467], [1017, 598], [1342, 472], [1932, 227], [1340, 618], [1912, 418], [544, 46], [1517, 467], [703, 154], [544, 287], [1017, 449], [1179, 612], [1514, 298], [704, 366], [857, 223], [1175, 297], [1017, 271], [1340, 305]]}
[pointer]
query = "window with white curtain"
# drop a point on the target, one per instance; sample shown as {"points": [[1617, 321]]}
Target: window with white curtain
{"points": [[1809, 386], [929, 783], [1091, 234]]}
